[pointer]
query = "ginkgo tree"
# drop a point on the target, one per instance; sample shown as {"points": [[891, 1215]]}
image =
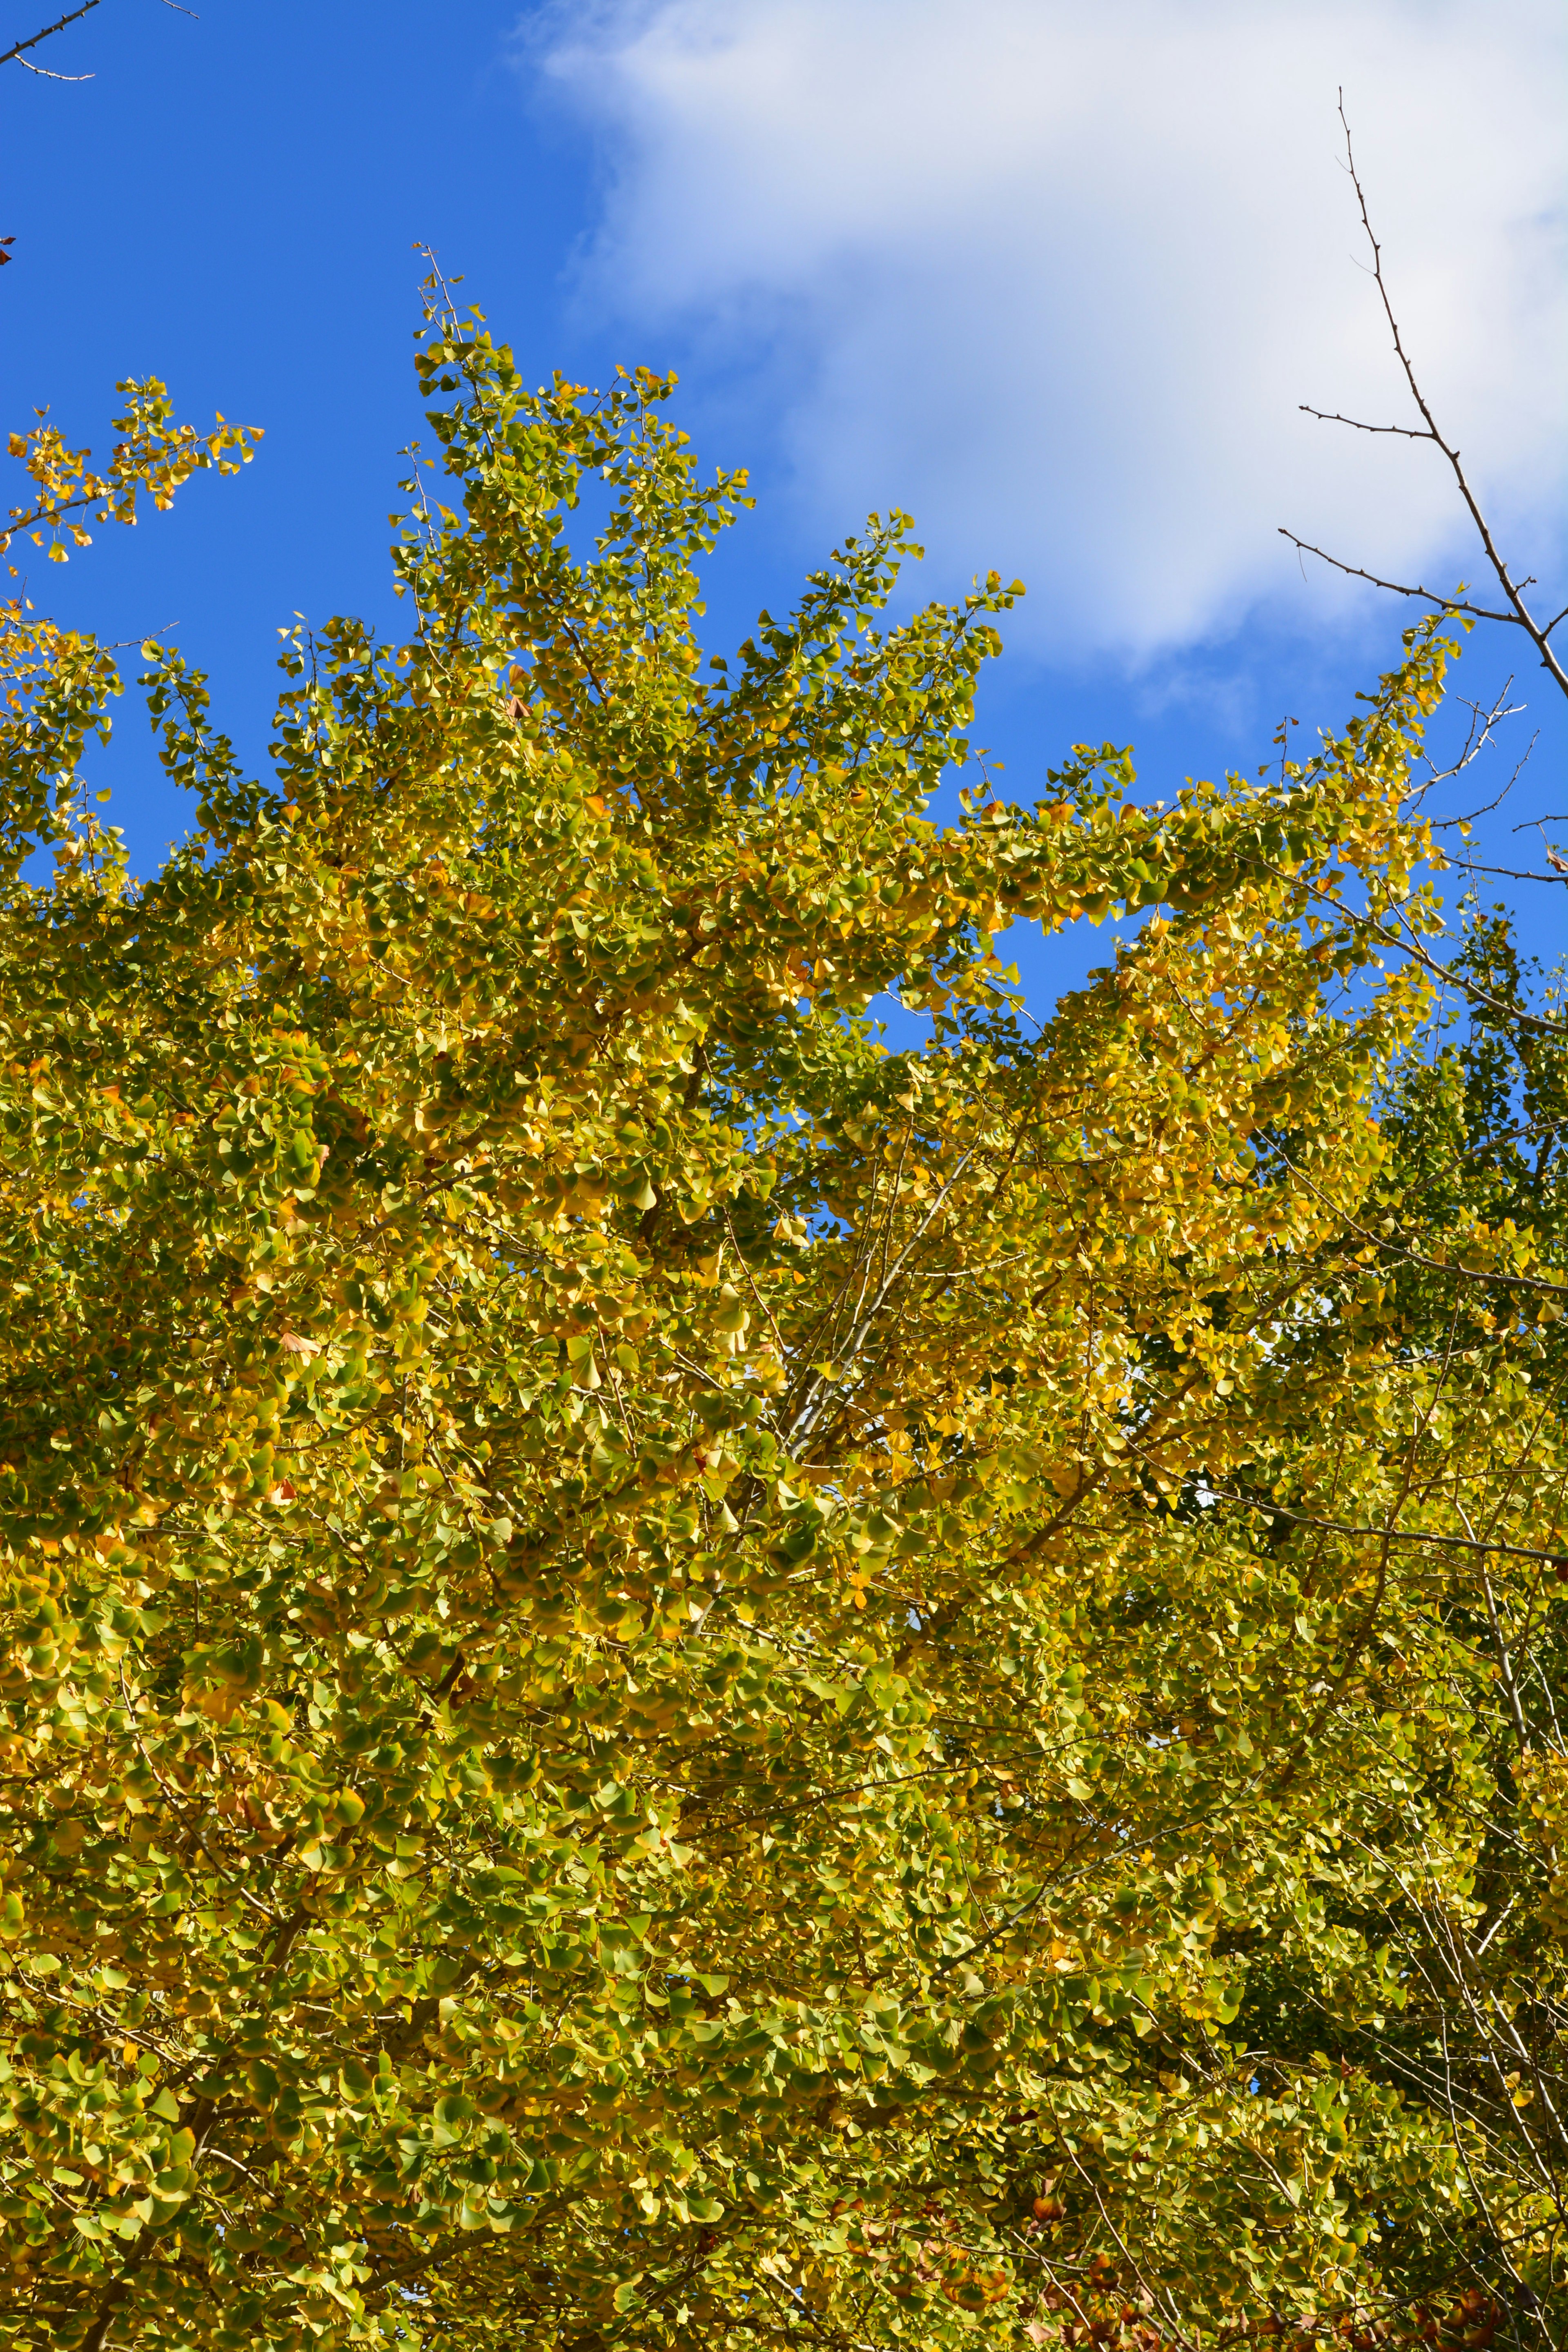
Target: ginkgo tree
{"points": [[1474, 1912], [672, 1680]]}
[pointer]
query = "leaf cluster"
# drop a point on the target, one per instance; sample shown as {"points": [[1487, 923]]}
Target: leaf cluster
{"points": [[668, 1679]]}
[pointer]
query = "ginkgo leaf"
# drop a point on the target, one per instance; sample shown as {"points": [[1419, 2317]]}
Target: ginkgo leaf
{"points": [[671, 1678]]}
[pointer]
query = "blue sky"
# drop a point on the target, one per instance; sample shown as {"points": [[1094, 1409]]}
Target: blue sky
{"points": [[1055, 279]]}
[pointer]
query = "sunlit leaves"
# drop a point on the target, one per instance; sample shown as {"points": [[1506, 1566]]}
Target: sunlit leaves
{"points": [[669, 1677]]}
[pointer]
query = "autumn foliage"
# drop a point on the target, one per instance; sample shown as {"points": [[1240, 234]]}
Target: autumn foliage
{"points": [[672, 1679]]}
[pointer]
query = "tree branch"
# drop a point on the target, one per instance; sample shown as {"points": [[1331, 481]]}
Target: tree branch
{"points": [[1519, 615], [1397, 587], [34, 38]]}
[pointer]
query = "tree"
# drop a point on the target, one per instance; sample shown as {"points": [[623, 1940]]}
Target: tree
{"points": [[672, 1679], [1474, 1913], [1478, 1129]]}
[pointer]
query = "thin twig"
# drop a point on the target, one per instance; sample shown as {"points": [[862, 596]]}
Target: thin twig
{"points": [[44, 74]]}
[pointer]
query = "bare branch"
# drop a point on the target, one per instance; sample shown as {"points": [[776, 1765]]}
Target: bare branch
{"points": [[1518, 615], [1332, 416], [44, 73], [1514, 872], [1397, 587], [1478, 736], [1486, 808], [34, 38], [15, 54]]}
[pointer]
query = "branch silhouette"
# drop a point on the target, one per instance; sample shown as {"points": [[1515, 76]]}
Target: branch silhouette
{"points": [[1516, 614], [16, 52]]}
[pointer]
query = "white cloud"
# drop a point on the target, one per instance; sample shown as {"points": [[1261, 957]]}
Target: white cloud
{"points": [[1057, 275]]}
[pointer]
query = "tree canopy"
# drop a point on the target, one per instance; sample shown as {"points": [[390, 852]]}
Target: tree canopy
{"points": [[675, 1680]]}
